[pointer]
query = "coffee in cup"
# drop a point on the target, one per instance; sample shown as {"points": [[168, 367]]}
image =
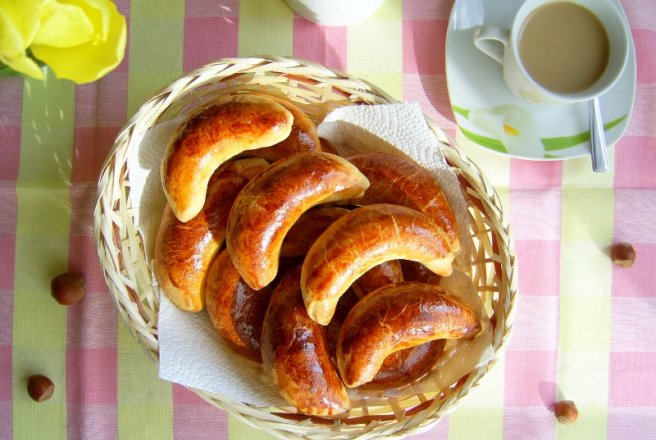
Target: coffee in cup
{"points": [[559, 51]]}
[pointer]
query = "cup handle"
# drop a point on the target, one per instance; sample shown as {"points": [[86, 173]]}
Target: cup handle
{"points": [[492, 41]]}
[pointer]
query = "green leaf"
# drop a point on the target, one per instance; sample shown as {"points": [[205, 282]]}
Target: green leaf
{"points": [[484, 141], [462, 111], [561, 143]]}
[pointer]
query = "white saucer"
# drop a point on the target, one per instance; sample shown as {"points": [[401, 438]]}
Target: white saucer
{"points": [[487, 113]]}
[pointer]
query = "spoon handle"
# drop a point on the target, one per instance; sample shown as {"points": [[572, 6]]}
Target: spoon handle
{"points": [[597, 137]]}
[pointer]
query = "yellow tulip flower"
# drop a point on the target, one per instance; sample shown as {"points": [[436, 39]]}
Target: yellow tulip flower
{"points": [[80, 40]]}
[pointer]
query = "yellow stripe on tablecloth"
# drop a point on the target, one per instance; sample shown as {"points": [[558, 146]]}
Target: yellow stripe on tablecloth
{"points": [[42, 235], [585, 296], [238, 430], [486, 407], [145, 407], [265, 28], [375, 49]]}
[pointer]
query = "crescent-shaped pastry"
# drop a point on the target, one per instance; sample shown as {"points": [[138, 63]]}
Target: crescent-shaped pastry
{"points": [[184, 251], [413, 271], [236, 311], [362, 239], [394, 318], [378, 276], [308, 228], [405, 366], [294, 347], [397, 180], [272, 202], [210, 137], [302, 138], [401, 367]]}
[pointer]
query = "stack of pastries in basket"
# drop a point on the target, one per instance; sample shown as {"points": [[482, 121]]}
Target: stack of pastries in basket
{"points": [[330, 270]]}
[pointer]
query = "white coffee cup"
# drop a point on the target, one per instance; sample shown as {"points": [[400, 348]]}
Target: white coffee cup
{"points": [[335, 12], [502, 45]]}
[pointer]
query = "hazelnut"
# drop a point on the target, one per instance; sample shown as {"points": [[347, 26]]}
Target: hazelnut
{"points": [[68, 288], [40, 388], [566, 411], [623, 254]]}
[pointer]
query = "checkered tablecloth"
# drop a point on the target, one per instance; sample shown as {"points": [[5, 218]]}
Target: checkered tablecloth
{"points": [[585, 329]]}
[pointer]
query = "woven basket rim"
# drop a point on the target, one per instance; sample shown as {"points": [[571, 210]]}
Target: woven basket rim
{"points": [[138, 309]]}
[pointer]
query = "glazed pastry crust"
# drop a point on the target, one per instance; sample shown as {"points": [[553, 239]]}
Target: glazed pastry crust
{"points": [[398, 180], [295, 349], [396, 317], [302, 138], [308, 228], [184, 251], [362, 239], [378, 276], [271, 203], [218, 132], [235, 310]]}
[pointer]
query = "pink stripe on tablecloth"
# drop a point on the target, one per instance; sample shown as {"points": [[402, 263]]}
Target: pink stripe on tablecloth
{"points": [[86, 104], [535, 213], [423, 50], [642, 121], [11, 104], [530, 378], [91, 146], [84, 259], [207, 39], [635, 162], [193, 418], [97, 422], [11, 110], [427, 10], [641, 14], [524, 174], [638, 281], [632, 324], [427, 90], [85, 327], [535, 423], [631, 423], [439, 432], [211, 8], [91, 376], [645, 45], [8, 213], [635, 211], [533, 256], [535, 334], [5, 376], [6, 419], [83, 197], [9, 151], [632, 379], [112, 100], [322, 44]]}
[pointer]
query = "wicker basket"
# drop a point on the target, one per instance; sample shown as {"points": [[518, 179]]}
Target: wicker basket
{"points": [[318, 89]]}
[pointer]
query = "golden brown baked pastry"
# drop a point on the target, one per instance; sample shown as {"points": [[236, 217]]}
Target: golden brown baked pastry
{"points": [[378, 276], [395, 179], [294, 347], [362, 239], [399, 368], [308, 228], [227, 127], [413, 271], [184, 251], [405, 366], [272, 202], [395, 317], [236, 311], [302, 138]]}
